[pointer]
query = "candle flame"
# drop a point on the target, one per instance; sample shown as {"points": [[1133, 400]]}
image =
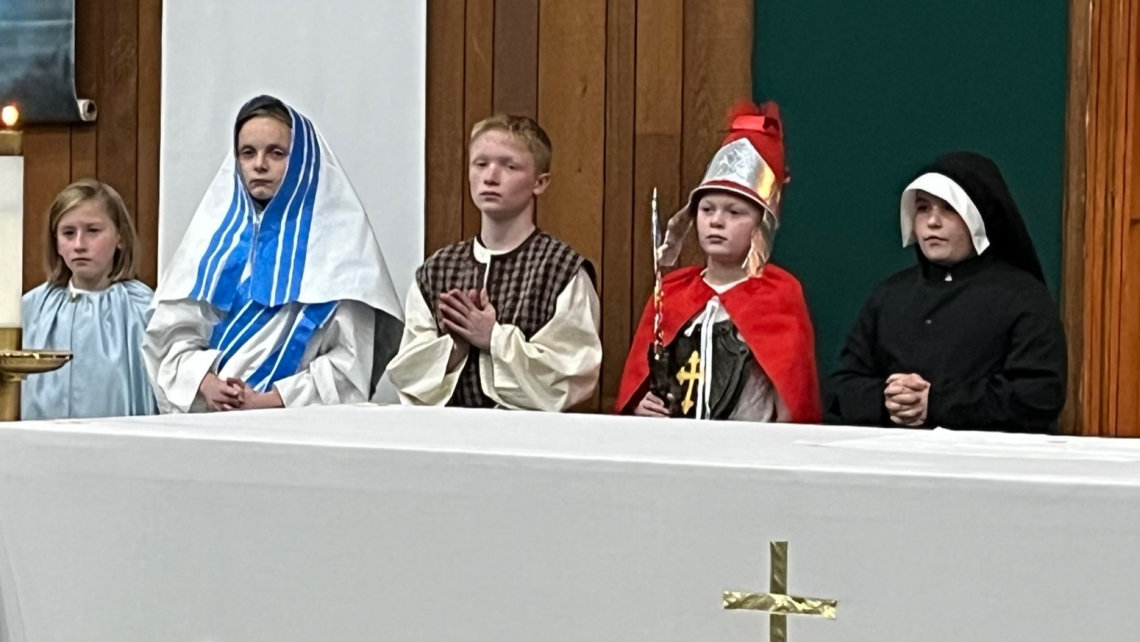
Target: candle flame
{"points": [[10, 115]]}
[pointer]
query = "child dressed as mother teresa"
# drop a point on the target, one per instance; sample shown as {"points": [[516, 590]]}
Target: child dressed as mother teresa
{"points": [[278, 292]]}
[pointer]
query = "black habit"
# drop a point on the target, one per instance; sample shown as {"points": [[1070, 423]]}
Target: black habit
{"points": [[985, 333]]}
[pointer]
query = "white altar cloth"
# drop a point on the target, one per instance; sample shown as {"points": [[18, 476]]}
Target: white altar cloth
{"points": [[419, 524]]}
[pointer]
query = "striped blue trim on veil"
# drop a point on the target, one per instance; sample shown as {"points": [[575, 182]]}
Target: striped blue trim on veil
{"points": [[275, 253], [281, 247], [284, 360]]}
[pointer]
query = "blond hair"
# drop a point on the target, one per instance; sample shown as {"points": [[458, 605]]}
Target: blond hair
{"points": [[526, 130], [125, 265]]}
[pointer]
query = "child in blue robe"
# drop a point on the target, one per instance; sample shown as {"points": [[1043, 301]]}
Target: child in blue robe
{"points": [[91, 305]]}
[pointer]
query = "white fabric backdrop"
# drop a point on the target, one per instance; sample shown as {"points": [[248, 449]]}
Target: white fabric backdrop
{"points": [[356, 69]]}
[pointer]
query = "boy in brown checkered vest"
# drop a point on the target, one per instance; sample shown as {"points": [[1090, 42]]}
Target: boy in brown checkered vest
{"points": [[510, 318]]}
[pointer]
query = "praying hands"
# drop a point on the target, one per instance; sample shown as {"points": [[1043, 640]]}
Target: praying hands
{"points": [[907, 397], [254, 400], [219, 394], [235, 394], [468, 316]]}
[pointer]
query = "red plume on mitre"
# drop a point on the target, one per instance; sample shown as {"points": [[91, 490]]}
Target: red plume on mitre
{"points": [[762, 127]]}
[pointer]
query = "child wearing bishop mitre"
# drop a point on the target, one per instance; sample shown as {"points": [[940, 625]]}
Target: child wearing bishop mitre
{"points": [[508, 319], [738, 341]]}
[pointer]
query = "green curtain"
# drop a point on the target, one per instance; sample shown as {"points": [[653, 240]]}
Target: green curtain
{"points": [[872, 90]]}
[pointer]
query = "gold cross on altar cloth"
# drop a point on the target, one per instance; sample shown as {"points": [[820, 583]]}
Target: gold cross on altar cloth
{"points": [[776, 602], [691, 377]]}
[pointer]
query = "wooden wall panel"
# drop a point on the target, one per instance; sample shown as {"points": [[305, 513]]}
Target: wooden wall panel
{"points": [[1095, 334], [117, 158], [633, 94], [657, 132], [1129, 387], [446, 137], [714, 80], [1128, 384], [121, 147], [88, 70], [618, 305], [149, 134], [47, 169], [515, 84], [1073, 225], [571, 108], [478, 80], [1102, 261]]}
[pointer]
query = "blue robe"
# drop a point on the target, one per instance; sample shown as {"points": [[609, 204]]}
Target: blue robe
{"points": [[104, 331]]}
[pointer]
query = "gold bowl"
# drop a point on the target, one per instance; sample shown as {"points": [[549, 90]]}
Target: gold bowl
{"points": [[25, 362]]}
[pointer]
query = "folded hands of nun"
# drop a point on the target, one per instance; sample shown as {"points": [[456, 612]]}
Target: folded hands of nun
{"points": [[907, 398]]}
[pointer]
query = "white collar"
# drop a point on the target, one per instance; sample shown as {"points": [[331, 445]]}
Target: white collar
{"points": [[722, 288], [483, 254], [73, 292]]}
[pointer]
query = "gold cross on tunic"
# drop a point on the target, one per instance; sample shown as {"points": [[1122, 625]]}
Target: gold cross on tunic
{"points": [[691, 376], [776, 602]]}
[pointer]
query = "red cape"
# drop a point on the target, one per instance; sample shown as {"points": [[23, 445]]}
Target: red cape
{"points": [[772, 317]]}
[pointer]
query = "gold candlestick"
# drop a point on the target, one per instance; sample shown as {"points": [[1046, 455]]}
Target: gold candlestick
{"points": [[11, 143], [17, 364]]}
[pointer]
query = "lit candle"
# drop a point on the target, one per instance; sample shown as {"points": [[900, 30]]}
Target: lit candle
{"points": [[11, 224]]}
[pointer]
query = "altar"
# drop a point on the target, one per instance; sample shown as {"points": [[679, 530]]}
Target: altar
{"points": [[414, 524]]}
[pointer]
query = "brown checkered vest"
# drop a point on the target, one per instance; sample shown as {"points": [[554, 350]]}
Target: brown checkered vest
{"points": [[523, 286]]}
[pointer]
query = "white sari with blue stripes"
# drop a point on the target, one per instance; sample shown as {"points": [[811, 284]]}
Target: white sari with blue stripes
{"points": [[269, 286]]}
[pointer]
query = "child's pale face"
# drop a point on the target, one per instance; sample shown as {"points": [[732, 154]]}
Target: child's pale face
{"points": [[263, 154], [943, 236], [502, 175], [725, 223], [87, 239]]}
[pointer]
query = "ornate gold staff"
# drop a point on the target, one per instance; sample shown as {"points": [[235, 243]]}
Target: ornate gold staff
{"points": [[658, 363]]}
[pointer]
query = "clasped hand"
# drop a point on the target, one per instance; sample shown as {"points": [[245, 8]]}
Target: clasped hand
{"points": [[235, 394], [652, 406], [468, 317], [907, 397]]}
